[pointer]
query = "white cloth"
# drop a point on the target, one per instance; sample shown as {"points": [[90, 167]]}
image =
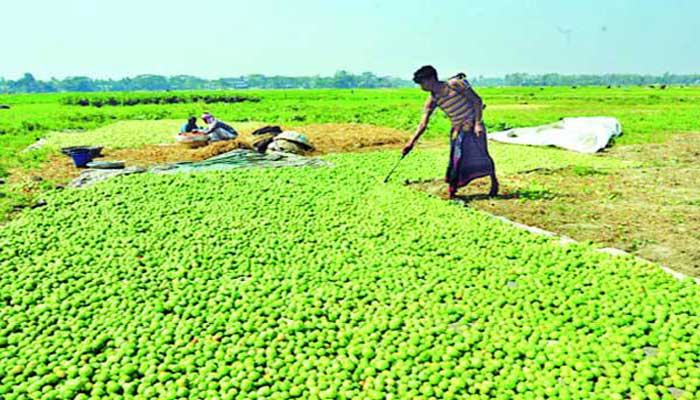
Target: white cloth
{"points": [[221, 134], [583, 134]]}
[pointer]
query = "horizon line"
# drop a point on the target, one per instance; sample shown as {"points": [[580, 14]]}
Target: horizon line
{"points": [[479, 76]]}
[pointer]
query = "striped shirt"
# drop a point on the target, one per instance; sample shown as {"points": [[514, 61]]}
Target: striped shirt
{"points": [[453, 102]]}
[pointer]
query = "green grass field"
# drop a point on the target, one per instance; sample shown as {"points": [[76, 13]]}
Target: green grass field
{"points": [[324, 283]]}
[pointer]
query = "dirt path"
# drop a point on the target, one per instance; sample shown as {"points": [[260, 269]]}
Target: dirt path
{"points": [[652, 211]]}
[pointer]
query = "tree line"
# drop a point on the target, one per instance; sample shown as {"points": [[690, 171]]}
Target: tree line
{"points": [[341, 79], [520, 79]]}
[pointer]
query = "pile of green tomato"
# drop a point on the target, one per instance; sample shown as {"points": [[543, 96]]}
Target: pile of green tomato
{"points": [[323, 283]]}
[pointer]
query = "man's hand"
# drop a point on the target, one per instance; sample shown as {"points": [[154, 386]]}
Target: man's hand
{"points": [[407, 149], [479, 128], [465, 126]]}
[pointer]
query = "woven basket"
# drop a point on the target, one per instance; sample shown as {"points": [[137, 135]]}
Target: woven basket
{"points": [[192, 142]]}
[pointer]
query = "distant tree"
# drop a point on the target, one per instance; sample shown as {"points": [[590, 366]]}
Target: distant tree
{"points": [[77, 84], [150, 82], [550, 80], [185, 82], [368, 80], [517, 79], [341, 79], [28, 84]]}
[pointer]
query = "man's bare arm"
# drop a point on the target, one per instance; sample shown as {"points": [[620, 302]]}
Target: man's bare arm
{"points": [[422, 126]]}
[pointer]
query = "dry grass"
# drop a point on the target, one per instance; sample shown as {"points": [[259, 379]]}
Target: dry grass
{"points": [[172, 153], [344, 138], [327, 138]]}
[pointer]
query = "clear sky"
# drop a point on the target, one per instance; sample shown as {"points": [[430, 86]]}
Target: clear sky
{"points": [[218, 38]]}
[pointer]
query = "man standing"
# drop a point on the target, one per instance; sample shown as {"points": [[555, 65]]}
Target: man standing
{"points": [[469, 156]]}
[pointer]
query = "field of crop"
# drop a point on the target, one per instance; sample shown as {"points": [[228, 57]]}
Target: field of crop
{"points": [[324, 282]]}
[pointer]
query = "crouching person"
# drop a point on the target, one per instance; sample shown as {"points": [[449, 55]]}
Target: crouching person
{"points": [[218, 130], [190, 126]]}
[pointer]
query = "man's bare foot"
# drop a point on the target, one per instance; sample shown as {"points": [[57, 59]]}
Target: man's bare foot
{"points": [[452, 193]]}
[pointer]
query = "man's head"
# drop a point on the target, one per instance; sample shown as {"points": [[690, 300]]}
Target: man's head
{"points": [[208, 118], [192, 120], [426, 76]]}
